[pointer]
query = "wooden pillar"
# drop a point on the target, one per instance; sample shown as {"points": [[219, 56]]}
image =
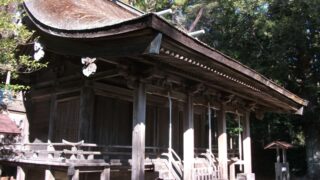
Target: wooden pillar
{"points": [[53, 109], [21, 175], [188, 139], [284, 155], [138, 133], [49, 175], [86, 112], [76, 175], [105, 174], [247, 144], [278, 154], [222, 143]]}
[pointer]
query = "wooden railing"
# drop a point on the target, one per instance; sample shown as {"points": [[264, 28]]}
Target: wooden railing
{"points": [[74, 158], [231, 152], [173, 163], [206, 165]]}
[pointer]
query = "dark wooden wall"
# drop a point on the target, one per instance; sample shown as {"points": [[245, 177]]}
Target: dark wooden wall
{"points": [[66, 122], [112, 121], [39, 120]]}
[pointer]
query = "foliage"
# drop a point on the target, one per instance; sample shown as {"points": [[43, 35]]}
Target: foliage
{"points": [[280, 39], [12, 34], [157, 5], [233, 126]]}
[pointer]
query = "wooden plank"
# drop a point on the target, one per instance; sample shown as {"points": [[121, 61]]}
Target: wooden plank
{"points": [[66, 125], [86, 113], [247, 144], [138, 133], [21, 175], [188, 139], [39, 120], [222, 143], [49, 175]]}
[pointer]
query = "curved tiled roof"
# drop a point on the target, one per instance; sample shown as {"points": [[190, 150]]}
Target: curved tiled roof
{"points": [[90, 19]]}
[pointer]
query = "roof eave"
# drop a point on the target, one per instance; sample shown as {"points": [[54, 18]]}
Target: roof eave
{"points": [[159, 24]]}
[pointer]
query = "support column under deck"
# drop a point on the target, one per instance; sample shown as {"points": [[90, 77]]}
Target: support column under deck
{"points": [[138, 133], [21, 174], [222, 143], [48, 175], [53, 109], [247, 146], [188, 140]]}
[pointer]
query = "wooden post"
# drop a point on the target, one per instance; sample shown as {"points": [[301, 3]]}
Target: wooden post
{"points": [[170, 134], [284, 155], [232, 173], [188, 140], [210, 129], [86, 112], [278, 154], [53, 109], [247, 145], [49, 175], [222, 143], [21, 175], [76, 175], [138, 133], [105, 175], [240, 141]]}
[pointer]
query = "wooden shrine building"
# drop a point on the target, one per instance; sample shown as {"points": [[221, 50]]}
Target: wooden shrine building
{"points": [[156, 107]]}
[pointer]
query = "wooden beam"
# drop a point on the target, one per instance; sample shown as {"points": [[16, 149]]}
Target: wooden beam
{"points": [[214, 84], [63, 88], [188, 139], [247, 144], [222, 142], [138, 133], [121, 46], [86, 115]]}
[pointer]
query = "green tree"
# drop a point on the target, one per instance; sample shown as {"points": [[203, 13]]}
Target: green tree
{"points": [[12, 35]]}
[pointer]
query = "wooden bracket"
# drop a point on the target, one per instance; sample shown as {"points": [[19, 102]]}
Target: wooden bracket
{"points": [[154, 46], [227, 98], [251, 106], [198, 88]]}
